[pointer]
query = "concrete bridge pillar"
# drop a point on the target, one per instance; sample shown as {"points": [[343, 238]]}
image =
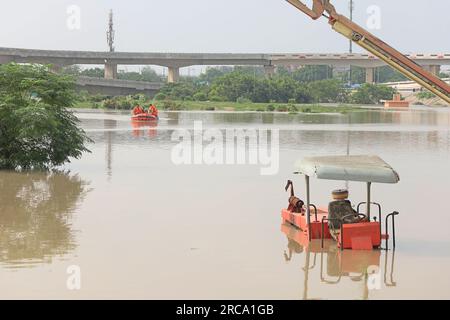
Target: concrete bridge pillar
{"points": [[434, 69], [269, 71], [5, 60], [110, 71], [370, 75], [174, 75]]}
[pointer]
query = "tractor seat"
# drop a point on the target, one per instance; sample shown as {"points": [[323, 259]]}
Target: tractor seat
{"points": [[337, 210]]}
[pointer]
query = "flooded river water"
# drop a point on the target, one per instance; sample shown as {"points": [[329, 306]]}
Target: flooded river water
{"points": [[134, 224]]}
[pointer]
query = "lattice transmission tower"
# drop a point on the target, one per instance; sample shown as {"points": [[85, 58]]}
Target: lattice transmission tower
{"points": [[110, 34]]}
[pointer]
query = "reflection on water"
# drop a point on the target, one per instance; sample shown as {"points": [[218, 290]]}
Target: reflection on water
{"points": [[363, 268], [139, 128], [411, 118], [36, 216], [145, 214], [109, 124]]}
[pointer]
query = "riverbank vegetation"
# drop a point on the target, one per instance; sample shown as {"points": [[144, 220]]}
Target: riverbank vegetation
{"points": [[306, 74], [36, 129], [240, 85], [248, 89], [124, 103]]}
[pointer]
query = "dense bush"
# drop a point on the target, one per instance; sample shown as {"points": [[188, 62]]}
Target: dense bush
{"points": [[215, 98], [423, 95], [200, 96], [97, 98], [247, 85], [372, 94], [125, 102], [292, 109], [303, 94], [160, 97], [306, 109], [180, 91], [170, 105], [243, 87], [270, 108], [331, 90], [282, 109], [243, 100]]}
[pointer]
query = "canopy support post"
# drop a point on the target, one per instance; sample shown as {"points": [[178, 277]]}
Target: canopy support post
{"points": [[308, 206], [369, 204]]}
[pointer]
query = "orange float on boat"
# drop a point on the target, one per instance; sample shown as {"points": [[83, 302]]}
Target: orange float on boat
{"points": [[144, 117]]}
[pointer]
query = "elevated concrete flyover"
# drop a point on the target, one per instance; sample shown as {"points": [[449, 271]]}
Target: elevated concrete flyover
{"points": [[131, 58], [175, 61], [431, 62], [116, 87]]}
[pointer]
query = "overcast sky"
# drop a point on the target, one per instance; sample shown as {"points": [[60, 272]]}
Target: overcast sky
{"points": [[216, 25]]}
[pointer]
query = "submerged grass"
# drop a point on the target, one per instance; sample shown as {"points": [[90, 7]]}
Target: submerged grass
{"points": [[260, 107], [174, 105]]}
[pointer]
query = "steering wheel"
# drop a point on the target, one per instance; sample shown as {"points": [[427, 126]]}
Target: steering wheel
{"points": [[359, 217]]}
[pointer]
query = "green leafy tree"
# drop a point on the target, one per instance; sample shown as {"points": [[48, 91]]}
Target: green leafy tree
{"points": [[180, 91], [212, 74], [358, 75], [147, 74], [331, 90], [93, 73], [425, 94], [282, 89], [36, 128], [235, 85], [134, 76], [303, 94], [388, 74], [200, 96], [313, 73], [372, 94], [150, 75], [73, 70]]}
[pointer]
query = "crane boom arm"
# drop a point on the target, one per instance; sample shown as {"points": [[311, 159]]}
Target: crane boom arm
{"points": [[376, 46]]}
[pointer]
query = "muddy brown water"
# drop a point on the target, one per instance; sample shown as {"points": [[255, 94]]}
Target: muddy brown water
{"points": [[139, 226]]}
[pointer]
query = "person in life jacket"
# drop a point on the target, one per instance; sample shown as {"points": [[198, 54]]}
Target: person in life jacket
{"points": [[138, 110], [153, 111]]}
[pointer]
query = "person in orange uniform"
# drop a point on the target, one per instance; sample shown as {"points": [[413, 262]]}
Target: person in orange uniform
{"points": [[138, 110], [153, 111]]}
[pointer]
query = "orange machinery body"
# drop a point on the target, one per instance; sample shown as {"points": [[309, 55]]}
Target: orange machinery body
{"points": [[357, 236], [299, 220], [301, 238]]}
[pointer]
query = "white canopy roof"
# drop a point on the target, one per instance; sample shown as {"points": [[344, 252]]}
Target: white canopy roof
{"points": [[348, 168]]}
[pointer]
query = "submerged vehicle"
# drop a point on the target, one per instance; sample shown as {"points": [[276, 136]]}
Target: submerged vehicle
{"points": [[351, 228]]}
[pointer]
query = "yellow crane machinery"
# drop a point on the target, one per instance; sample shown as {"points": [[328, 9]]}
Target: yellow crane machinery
{"points": [[376, 46]]}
